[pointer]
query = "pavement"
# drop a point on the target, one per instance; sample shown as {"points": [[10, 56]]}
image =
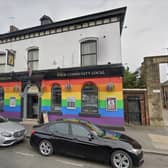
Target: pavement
{"points": [[154, 140]]}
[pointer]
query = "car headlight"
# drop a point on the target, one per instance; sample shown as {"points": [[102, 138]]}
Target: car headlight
{"points": [[6, 134], [136, 151]]}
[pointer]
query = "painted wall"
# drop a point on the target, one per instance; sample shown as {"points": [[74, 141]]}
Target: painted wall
{"points": [[11, 89], [108, 118], [63, 49]]}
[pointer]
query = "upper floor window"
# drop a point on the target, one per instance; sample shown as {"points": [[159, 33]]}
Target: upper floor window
{"points": [[2, 61], [33, 58], [89, 52], [1, 98]]}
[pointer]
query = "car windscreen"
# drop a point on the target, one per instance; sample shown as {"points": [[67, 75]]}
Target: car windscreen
{"points": [[99, 131]]}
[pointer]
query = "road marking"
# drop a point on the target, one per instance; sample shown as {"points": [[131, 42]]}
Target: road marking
{"points": [[70, 163], [25, 154]]}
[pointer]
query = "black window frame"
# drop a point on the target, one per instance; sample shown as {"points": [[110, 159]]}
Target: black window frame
{"points": [[3, 55], [83, 111], [83, 55], [2, 96], [52, 104]]}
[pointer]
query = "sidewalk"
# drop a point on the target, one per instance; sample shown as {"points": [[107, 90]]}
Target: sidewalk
{"points": [[153, 140]]}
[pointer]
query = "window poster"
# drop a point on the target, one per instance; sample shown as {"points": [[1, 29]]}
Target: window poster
{"points": [[111, 104], [71, 103], [12, 102]]}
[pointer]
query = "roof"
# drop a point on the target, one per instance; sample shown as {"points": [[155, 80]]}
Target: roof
{"points": [[119, 12]]}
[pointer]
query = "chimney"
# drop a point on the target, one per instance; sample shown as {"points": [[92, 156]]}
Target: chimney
{"points": [[45, 20], [13, 28]]}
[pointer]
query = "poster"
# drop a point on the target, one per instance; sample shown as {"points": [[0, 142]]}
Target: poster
{"points": [[12, 102], [71, 103], [111, 104]]}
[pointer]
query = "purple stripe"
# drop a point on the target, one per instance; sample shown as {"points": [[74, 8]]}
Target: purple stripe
{"points": [[11, 115], [104, 121]]}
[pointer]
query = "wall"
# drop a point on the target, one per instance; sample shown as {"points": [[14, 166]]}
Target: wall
{"points": [[107, 118], [64, 48], [11, 89]]}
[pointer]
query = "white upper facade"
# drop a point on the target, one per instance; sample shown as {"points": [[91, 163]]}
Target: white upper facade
{"points": [[60, 46]]}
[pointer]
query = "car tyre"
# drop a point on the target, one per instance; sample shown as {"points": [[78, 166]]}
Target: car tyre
{"points": [[45, 148], [121, 159]]}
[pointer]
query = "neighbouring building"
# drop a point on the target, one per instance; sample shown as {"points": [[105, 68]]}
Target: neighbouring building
{"points": [[71, 68]]}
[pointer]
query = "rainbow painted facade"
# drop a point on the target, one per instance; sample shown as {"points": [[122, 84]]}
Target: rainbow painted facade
{"points": [[109, 96]]}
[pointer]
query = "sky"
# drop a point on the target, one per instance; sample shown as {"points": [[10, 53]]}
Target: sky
{"points": [[145, 31]]}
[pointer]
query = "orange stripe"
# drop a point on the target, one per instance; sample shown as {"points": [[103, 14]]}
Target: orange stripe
{"points": [[10, 84]]}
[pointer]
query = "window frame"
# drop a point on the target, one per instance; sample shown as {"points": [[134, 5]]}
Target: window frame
{"points": [[88, 113], [3, 55], [88, 40], [29, 61], [3, 98], [52, 107]]}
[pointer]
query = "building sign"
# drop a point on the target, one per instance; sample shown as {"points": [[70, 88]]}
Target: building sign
{"points": [[71, 103], [10, 57], [12, 102], [111, 104]]}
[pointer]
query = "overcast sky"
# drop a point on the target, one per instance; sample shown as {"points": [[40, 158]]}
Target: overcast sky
{"points": [[146, 21]]}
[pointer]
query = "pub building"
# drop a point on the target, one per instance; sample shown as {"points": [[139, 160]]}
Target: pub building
{"points": [[67, 69]]}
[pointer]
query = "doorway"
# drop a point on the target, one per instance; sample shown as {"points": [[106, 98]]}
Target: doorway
{"points": [[32, 106]]}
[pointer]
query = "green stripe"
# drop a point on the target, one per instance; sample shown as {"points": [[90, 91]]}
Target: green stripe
{"points": [[46, 102], [7, 102], [102, 104], [64, 103]]}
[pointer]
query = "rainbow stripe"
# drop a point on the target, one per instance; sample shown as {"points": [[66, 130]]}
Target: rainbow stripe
{"points": [[10, 91], [75, 92]]}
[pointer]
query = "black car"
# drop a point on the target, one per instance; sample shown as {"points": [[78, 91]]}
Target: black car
{"points": [[84, 139]]}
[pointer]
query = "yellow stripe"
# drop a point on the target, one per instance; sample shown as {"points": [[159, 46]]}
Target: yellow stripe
{"points": [[46, 95], [104, 95], [8, 95], [77, 95]]}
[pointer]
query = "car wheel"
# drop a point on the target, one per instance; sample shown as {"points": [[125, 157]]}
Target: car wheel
{"points": [[121, 159], [45, 148]]}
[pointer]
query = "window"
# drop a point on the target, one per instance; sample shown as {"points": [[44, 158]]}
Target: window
{"points": [[79, 130], [2, 61], [89, 98], [56, 98], [89, 52], [62, 128], [33, 58], [1, 98]]}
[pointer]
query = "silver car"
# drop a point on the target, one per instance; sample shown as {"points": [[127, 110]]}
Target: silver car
{"points": [[10, 132]]}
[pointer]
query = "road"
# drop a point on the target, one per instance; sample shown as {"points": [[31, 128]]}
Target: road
{"points": [[23, 156]]}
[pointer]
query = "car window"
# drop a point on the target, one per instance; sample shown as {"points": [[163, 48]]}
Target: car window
{"points": [[62, 128], [79, 130]]}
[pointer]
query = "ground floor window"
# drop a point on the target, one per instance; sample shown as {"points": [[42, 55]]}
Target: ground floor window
{"points": [[1, 98], [56, 98], [89, 98]]}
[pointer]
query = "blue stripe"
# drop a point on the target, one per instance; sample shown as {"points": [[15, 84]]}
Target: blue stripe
{"points": [[102, 111], [118, 113], [75, 111], [46, 108], [12, 109]]}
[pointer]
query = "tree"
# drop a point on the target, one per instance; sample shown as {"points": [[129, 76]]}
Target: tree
{"points": [[133, 79]]}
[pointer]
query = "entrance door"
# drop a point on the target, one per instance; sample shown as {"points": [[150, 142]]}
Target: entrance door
{"points": [[134, 110], [32, 106]]}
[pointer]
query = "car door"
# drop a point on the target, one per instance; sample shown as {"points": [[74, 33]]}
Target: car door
{"points": [[61, 137], [85, 146]]}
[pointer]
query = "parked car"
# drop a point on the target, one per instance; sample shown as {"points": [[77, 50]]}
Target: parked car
{"points": [[84, 139], [10, 132]]}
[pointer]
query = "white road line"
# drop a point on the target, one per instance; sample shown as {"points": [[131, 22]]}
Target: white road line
{"points": [[70, 163], [25, 154]]}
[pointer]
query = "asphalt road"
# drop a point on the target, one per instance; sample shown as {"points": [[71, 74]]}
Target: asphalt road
{"points": [[23, 156]]}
